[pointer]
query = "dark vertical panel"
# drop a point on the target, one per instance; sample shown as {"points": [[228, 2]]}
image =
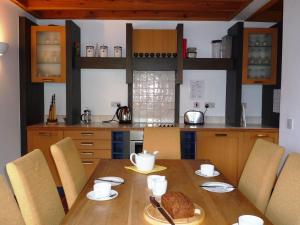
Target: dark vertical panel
{"points": [[130, 98], [31, 94], [234, 77], [179, 54], [129, 30], [177, 102], [268, 116], [73, 80]]}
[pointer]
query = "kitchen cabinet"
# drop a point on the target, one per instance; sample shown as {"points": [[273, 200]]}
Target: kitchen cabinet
{"points": [[48, 54], [247, 142], [221, 148], [43, 139], [120, 145], [92, 145], [188, 144], [260, 56]]}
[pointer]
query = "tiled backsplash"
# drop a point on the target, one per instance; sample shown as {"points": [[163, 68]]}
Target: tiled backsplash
{"points": [[154, 96]]}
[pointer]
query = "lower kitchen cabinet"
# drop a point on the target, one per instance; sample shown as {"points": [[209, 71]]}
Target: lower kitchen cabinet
{"points": [[188, 144], [248, 140], [221, 148], [120, 144], [43, 139]]}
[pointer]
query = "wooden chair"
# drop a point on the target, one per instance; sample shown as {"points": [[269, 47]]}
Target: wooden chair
{"points": [[70, 168], [10, 213], [35, 190], [166, 140], [259, 174], [284, 205]]}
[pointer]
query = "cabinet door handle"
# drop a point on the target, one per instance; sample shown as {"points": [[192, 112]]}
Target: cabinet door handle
{"points": [[86, 143], [87, 162], [221, 135], [262, 135], [87, 133], [86, 153], [45, 134]]}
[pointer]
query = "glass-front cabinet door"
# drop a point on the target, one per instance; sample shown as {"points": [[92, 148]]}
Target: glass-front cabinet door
{"points": [[260, 56], [48, 54]]}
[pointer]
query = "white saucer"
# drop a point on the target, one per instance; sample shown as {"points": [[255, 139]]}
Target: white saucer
{"points": [[110, 180], [235, 224], [198, 172], [91, 196], [223, 187]]}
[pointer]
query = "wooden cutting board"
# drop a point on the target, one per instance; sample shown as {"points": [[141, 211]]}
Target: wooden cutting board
{"points": [[153, 216]]}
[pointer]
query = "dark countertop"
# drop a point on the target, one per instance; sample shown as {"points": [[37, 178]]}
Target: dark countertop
{"points": [[137, 126]]}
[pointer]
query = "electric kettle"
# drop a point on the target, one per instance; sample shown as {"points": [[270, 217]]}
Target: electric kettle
{"points": [[123, 114]]}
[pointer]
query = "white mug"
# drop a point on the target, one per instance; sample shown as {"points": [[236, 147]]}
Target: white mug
{"points": [[250, 220], [159, 187], [102, 190], [207, 169], [152, 178]]}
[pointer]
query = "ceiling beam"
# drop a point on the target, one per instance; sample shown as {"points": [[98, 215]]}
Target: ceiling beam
{"points": [[270, 12]]}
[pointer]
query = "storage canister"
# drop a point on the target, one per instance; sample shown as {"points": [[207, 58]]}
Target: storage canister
{"points": [[103, 51], [216, 48], [226, 46], [89, 51], [118, 51], [191, 52]]}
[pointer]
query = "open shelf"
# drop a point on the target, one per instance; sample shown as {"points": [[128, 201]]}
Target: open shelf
{"points": [[155, 64], [102, 63], [207, 64]]}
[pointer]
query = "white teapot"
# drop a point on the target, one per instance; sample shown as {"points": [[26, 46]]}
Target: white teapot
{"points": [[144, 161]]}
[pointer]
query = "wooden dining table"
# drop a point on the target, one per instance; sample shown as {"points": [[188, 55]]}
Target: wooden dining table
{"points": [[128, 207]]}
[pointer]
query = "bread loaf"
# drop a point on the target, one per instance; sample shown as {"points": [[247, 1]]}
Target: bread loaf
{"points": [[177, 205]]}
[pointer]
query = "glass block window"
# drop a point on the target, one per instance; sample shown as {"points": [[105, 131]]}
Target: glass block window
{"points": [[154, 96]]}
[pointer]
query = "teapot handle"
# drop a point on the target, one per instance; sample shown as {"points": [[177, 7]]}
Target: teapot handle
{"points": [[131, 158]]}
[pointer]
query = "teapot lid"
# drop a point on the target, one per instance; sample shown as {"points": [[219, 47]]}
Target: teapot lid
{"points": [[145, 153]]}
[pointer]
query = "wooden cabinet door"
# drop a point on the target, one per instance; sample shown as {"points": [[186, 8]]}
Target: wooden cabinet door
{"points": [[248, 140], [221, 148], [43, 139]]}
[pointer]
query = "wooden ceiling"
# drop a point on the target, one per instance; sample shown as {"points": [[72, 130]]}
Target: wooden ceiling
{"points": [[271, 12], [134, 9]]}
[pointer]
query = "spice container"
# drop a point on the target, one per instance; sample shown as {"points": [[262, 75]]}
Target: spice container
{"points": [[216, 48], [89, 51], [226, 46], [192, 52], [118, 51], [103, 51]]}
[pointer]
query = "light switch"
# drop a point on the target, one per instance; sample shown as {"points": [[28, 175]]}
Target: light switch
{"points": [[290, 124]]}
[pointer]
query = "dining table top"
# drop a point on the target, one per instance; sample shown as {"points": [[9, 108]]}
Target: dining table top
{"points": [[128, 207]]}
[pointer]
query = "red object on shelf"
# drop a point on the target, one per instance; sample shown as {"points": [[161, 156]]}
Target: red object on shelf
{"points": [[184, 48]]}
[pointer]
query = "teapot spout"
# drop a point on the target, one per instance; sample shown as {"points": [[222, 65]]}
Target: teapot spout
{"points": [[155, 152]]}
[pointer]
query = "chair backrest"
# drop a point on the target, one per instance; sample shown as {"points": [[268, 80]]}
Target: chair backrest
{"points": [[10, 213], [70, 168], [166, 140], [284, 205], [260, 171], [35, 190]]}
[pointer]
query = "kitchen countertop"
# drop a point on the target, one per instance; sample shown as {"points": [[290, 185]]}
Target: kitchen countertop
{"points": [[137, 126]]}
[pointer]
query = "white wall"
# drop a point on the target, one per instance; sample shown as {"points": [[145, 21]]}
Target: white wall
{"points": [[100, 87], [9, 84], [290, 89]]}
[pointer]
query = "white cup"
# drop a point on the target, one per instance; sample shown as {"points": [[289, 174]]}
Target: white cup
{"points": [[207, 169], [250, 220], [152, 178], [159, 187], [102, 190]]}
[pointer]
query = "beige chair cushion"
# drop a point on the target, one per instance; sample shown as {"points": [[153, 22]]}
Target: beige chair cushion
{"points": [[166, 140], [9, 211], [260, 171], [284, 205], [70, 168], [35, 190]]}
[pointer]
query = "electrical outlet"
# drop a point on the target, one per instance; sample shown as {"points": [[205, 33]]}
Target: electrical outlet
{"points": [[290, 124], [196, 104], [115, 104], [210, 104]]}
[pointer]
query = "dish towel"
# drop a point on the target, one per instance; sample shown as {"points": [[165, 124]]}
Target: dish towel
{"points": [[155, 169]]}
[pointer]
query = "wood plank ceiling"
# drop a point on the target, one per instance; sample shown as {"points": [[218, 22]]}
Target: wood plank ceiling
{"points": [[270, 12], [134, 9]]}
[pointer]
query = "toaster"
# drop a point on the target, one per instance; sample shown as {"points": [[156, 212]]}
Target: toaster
{"points": [[193, 117]]}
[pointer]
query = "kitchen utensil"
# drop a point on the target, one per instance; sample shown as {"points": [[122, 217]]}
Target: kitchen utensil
{"points": [[250, 219], [151, 179], [144, 161], [193, 117], [91, 195], [118, 51], [217, 187], [216, 48], [199, 173], [207, 169], [86, 117], [102, 190], [103, 51], [90, 51], [159, 187], [192, 53], [161, 210], [113, 180], [123, 114]]}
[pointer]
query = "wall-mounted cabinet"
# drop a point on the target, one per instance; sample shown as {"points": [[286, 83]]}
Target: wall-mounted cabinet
{"points": [[260, 56], [48, 54]]}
